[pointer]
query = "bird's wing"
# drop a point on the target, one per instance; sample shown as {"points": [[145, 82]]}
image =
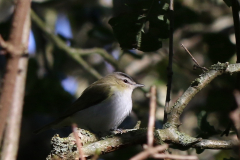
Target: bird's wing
{"points": [[94, 94]]}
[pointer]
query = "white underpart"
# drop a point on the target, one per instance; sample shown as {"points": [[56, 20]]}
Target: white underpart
{"points": [[107, 115]]}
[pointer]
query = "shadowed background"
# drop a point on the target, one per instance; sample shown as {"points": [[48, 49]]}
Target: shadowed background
{"points": [[55, 80]]}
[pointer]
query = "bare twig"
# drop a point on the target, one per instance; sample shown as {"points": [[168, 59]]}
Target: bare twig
{"points": [[150, 151], [235, 115], [179, 157], [196, 86], [78, 142], [170, 61], [216, 144], [14, 80], [62, 45], [75, 53], [194, 60], [152, 113], [3, 44], [237, 97], [235, 12], [95, 157]]}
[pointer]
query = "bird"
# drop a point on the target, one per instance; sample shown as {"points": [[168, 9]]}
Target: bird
{"points": [[102, 106]]}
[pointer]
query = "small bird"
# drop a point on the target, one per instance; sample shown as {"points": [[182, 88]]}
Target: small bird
{"points": [[101, 107]]}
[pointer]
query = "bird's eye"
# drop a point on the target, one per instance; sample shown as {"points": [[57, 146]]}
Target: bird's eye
{"points": [[125, 81]]}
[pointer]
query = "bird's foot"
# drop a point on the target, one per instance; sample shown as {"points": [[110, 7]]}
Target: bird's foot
{"points": [[118, 131]]}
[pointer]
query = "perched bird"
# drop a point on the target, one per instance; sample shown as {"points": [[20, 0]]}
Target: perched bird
{"points": [[101, 107]]}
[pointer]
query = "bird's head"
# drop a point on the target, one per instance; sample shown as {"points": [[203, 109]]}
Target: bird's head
{"points": [[122, 81]]}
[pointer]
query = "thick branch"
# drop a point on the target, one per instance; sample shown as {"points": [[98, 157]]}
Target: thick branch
{"points": [[198, 84], [14, 79], [75, 53], [64, 148]]}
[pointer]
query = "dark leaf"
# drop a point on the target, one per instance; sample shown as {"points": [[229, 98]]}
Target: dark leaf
{"points": [[130, 28], [231, 158], [228, 3], [199, 150], [205, 127]]}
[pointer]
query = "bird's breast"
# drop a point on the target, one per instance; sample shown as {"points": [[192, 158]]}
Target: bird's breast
{"points": [[106, 115]]}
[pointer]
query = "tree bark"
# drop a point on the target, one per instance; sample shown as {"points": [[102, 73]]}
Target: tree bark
{"points": [[11, 101]]}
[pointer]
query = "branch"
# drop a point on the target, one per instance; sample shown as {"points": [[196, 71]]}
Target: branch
{"points": [[179, 157], [194, 60], [215, 144], [170, 59], [198, 84], [78, 141], [236, 20], [65, 148], [150, 151], [152, 112], [235, 115], [74, 52], [11, 101]]}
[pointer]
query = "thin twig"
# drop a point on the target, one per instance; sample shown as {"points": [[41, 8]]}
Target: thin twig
{"points": [[95, 157], [149, 152], [78, 141], [194, 60], [197, 85], [73, 52], [3, 44], [179, 157], [235, 13], [152, 113], [170, 60], [235, 115]]}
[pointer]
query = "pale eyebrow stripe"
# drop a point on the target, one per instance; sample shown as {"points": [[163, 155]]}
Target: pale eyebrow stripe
{"points": [[125, 75]]}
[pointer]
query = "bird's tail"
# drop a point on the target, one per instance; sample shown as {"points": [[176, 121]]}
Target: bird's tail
{"points": [[46, 127]]}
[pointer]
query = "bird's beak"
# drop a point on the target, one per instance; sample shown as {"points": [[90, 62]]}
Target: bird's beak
{"points": [[138, 85]]}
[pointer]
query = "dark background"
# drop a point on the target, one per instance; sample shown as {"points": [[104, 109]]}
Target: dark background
{"points": [[55, 80]]}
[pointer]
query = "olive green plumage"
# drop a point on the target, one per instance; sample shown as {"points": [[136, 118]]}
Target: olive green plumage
{"points": [[102, 106]]}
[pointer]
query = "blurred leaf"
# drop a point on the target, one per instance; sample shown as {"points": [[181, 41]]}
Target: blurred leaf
{"points": [[199, 150], [44, 95], [205, 127], [231, 158], [228, 3], [102, 33], [43, 1], [135, 55], [220, 49], [128, 28], [184, 15]]}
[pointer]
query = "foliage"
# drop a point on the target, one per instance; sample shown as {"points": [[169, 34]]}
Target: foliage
{"points": [[131, 28]]}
